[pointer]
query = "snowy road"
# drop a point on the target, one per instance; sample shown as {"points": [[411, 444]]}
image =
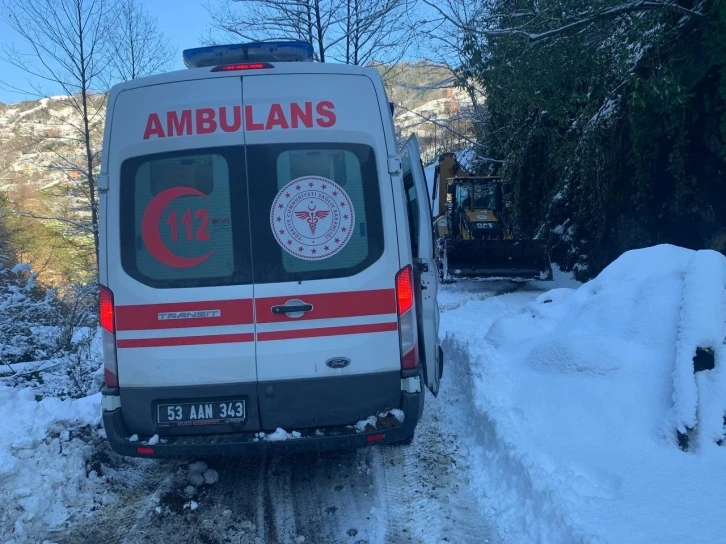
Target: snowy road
{"points": [[422, 493]]}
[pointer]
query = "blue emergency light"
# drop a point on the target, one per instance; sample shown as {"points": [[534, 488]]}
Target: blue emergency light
{"points": [[282, 51]]}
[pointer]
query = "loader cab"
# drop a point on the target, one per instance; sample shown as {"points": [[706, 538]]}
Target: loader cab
{"points": [[478, 195], [476, 204]]}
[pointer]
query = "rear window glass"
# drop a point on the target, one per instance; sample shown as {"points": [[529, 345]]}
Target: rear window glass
{"points": [[321, 206], [412, 207], [177, 222]]}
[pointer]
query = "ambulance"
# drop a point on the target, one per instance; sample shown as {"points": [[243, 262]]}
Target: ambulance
{"points": [[267, 275]]}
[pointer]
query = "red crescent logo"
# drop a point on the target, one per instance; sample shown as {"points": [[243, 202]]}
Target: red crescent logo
{"points": [[152, 235]]}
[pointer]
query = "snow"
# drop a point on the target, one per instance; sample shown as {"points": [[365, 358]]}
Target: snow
{"points": [[372, 421], [20, 268], [701, 324], [279, 435], [576, 393], [42, 463], [363, 424], [398, 414]]}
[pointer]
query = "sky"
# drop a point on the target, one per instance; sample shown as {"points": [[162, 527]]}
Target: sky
{"points": [[182, 21]]}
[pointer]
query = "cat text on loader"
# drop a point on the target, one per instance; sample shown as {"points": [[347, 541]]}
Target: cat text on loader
{"points": [[474, 235]]}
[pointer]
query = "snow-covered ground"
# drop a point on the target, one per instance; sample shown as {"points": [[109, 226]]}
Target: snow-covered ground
{"points": [[43, 452], [557, 422], [576, 397]]}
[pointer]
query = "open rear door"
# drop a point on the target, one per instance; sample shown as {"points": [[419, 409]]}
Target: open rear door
{"points": [[426, 272]]}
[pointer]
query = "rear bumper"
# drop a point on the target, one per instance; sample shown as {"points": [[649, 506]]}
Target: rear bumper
{"points": [[248, 443]]}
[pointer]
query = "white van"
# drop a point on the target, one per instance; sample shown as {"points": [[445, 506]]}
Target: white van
{"points": [[266, 259]]}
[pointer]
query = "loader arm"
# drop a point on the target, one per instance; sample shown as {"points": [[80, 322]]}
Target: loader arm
{"points": [[445, 170]]}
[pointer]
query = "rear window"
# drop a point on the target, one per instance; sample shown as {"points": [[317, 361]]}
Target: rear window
{"points": [[178, 228], [315, 213], [316, 210]]}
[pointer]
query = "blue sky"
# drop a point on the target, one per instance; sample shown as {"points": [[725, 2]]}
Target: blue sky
{"points": [[182, 21]]}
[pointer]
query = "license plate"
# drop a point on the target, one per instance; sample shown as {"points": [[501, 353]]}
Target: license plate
{"points": [[186, 414]]}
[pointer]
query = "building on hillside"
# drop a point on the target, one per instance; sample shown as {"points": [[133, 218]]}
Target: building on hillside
{"points": [[441, 124]]}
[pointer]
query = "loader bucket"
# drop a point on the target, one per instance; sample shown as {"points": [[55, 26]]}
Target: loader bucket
{"points": [[520, 259]]}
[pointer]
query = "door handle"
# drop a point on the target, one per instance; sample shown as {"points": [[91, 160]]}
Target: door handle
{"points": [[291, 309]]}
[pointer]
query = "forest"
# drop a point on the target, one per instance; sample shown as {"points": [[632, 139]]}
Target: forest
{"points": [[608, 124]]}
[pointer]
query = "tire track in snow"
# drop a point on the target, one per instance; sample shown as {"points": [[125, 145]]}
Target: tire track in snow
{"points": [[425, 491], [273, 499], [425, 486]]}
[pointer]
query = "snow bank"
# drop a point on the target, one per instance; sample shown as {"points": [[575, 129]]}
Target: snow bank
{"points": [[43, 462], [578, 395]]}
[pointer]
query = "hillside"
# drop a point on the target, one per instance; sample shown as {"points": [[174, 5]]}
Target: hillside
{"points": [[41, 176], [427, 104]]}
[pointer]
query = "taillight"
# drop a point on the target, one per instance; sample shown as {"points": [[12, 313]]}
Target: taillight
{"points": [[404, 289], [106, 312], [242, 66], [406, 320], [108, 336]]}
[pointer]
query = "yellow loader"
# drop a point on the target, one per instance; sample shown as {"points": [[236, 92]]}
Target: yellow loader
{"points": [[474, 236]]}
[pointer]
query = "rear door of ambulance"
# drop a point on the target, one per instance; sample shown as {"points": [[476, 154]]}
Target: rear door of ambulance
{"points": [[179, 258], [426, 285], [325, 251]]}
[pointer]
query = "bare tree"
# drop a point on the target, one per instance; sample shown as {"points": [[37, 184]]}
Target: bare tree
{"points": [[352, 32], [81, 47], [67, 46], [475, 18], [374, 31], [139, 49]]}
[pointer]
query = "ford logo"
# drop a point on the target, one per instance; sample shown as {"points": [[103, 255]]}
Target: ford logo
{"points": [[337, 362]]}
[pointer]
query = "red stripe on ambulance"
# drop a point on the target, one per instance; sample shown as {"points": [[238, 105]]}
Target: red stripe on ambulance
{"points": [[229, 119], [239, 312], [331, 305], [185, 340], [178, 315], [327, 331]]}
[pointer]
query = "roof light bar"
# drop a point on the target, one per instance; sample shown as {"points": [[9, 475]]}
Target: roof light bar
{"points": [[282, 51]]}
